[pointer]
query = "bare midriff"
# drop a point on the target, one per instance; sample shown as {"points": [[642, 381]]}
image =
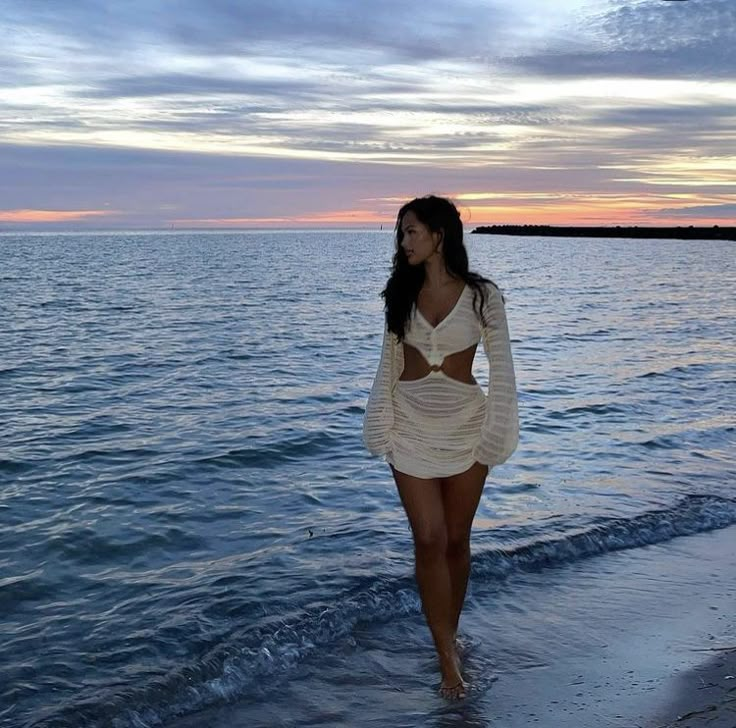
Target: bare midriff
{"points": [[457, 366]]}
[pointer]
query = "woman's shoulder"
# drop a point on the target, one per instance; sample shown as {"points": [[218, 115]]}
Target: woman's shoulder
{"points": [[489, 289], [487, 299]]}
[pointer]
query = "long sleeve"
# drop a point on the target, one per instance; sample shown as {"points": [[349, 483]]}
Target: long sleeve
{"points": [[500, 431], [379, 413]]}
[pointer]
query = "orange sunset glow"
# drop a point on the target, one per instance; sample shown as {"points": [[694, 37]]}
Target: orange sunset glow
{"points": [[39, 216]]}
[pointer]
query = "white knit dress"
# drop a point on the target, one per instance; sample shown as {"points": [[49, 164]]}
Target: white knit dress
{"points": [[436, 426]]}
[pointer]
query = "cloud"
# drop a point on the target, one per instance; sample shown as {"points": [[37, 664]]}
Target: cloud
{"points": [[150, 188], [699, 60], [708, 211], [570, 38], [414, 29], [181, 84], [668, 115], [275, 109], [648, 39]]}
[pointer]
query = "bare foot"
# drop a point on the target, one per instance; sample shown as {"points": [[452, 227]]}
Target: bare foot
{"points": [[453, 692], [452, 686]]}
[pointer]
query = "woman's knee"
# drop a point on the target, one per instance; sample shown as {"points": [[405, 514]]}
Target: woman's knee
{"points": [[430, 541], [458, 544]]}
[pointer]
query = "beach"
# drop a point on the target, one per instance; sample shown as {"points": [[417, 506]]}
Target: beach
{"points": [[706, 695], [625, 640], [642, 637], [194, 534]]}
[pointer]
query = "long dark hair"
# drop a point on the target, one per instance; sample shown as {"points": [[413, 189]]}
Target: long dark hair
{"points": [[405, 281]]}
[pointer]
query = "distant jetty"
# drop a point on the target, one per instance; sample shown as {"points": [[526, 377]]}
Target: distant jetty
{"points": [[619, 231]]}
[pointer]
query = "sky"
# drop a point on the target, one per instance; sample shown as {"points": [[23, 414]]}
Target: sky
{"points": [[319, 113]]}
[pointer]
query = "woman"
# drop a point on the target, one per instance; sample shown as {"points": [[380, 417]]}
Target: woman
{"points": [[429, 417]]}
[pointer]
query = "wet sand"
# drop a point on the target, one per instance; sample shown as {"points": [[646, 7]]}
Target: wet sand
{"points": [[635, 638], [706, 695]]}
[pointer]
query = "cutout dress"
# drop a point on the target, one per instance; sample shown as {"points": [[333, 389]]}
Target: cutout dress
{"points": [[437, 426]]}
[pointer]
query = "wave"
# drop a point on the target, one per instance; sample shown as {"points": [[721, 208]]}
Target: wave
{"points": [[591, 409], [680, 371], [588, 335], [693, 514], [303, 446], [272, 651]]}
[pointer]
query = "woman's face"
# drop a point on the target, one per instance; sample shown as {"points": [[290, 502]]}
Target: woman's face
{"points": [[419, 242]]}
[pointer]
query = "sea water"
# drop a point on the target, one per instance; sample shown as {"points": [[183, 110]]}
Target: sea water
{"points": [[189, 520]]}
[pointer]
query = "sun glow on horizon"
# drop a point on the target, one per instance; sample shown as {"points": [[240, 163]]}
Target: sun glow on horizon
{"points": [[50, 216]]}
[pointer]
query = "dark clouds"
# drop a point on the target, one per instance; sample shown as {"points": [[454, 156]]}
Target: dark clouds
{"points": [[635, 37], [181, 84], [649, 39], [697, 60], [412, 29], [707, 211]]}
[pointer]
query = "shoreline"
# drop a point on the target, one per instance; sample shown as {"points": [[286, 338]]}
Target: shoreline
{"points": [[642, 638], [628, 639], [706, 694], [638, 638], [619, 231]]}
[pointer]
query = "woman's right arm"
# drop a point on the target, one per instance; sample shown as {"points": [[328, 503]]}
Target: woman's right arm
{"points": [[499, 434], [379, 412]]}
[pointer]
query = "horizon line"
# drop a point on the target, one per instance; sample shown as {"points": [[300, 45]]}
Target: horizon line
{"points": [[336, 228]]}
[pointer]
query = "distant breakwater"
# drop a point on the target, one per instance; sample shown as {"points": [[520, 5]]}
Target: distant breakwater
{"points": [[681, 233]]}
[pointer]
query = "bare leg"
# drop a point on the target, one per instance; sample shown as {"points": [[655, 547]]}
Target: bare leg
{"points": [[460, 496], [422, 500]]}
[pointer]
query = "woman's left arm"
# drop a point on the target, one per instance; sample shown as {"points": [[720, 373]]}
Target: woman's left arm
{"points": [[378, 419], [500, 430]]}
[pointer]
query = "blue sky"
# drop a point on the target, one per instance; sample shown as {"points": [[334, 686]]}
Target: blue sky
{"points": [[316, 112]]}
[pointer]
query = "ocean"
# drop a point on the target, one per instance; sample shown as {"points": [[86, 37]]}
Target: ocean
{"points": [[192, 534]]}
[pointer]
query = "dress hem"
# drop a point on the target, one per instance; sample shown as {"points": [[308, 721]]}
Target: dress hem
{"points": [[435, 476]]}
